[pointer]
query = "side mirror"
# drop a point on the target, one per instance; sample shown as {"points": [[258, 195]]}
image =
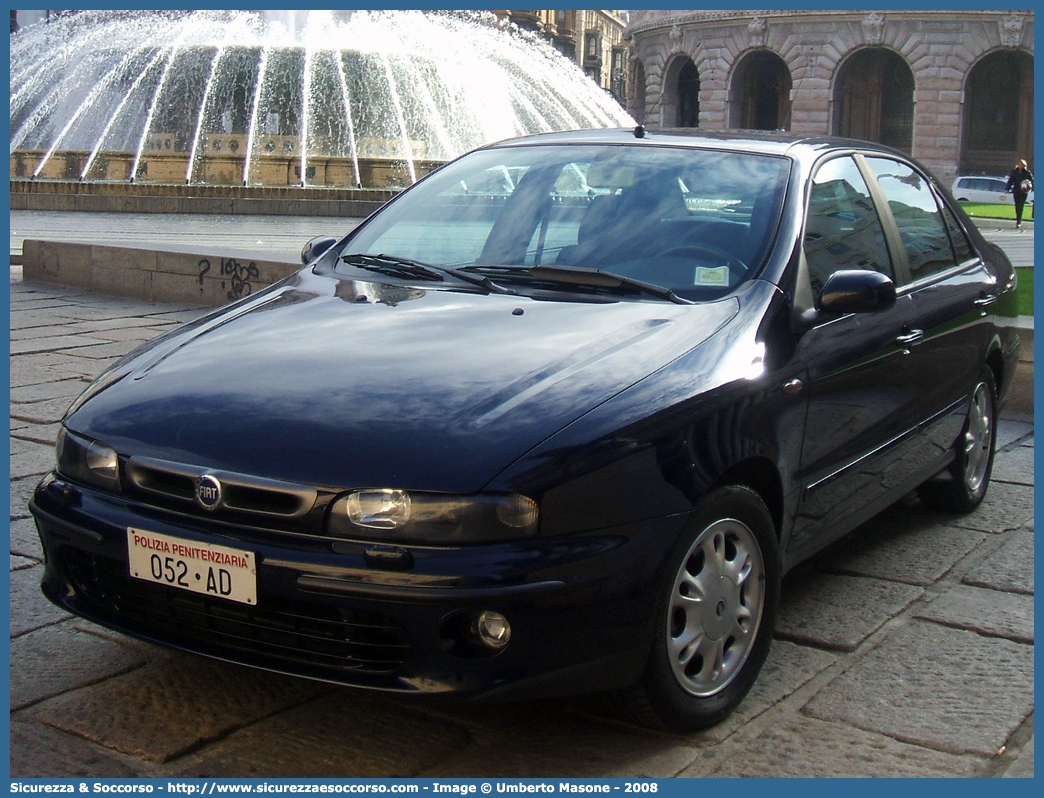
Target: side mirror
{"points": [[857, 291], [316, 247]]}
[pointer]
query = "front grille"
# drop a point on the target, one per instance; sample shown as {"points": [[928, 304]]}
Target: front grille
{"points": [[174, 484], [288, 631]]}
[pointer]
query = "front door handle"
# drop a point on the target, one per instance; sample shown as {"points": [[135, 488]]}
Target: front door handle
{"points": [[985, 300], [909, 338]]}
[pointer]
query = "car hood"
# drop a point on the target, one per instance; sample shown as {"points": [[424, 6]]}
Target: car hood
{"points": [[339, 383]]}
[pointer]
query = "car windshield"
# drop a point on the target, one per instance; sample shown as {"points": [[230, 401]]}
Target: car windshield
{"points": [[694, 222]]}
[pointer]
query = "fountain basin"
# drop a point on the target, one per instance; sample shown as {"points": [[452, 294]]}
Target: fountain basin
{"points": [[121, 196], [315, 98]]}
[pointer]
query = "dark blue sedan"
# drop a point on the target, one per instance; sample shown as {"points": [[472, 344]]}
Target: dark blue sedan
{"points": [[556, 419]]}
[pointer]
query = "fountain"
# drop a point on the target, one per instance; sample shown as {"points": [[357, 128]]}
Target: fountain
{"points": [[316, 98]]}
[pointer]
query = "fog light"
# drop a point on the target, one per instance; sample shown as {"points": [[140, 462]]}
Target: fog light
{"points": [[491, 629]]}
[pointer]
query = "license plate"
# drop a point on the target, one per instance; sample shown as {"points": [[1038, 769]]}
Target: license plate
{"points": [[199, 567]]}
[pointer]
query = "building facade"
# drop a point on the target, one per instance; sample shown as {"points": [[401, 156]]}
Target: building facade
{"points": [[603, 51], [952, 88], [19, 19], [593, 39]]}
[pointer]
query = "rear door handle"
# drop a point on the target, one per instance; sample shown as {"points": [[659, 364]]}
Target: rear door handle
{"points": [[985, 300]]}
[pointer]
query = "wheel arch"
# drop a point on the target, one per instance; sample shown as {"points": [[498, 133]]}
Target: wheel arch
{"points": [[995, 362], [761, 476]]}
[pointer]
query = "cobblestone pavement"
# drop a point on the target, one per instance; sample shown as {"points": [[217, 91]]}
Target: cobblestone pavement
{"points": [[1017, 244], [906, 650]]}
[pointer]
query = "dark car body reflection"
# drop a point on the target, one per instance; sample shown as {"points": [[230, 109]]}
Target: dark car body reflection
{"points": [[557, 433]]}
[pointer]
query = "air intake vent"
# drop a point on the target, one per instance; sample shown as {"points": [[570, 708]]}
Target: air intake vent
{"points": [[282, 631]]}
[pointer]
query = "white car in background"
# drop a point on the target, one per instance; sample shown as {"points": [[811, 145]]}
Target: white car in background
{"points": [[969, 188]]}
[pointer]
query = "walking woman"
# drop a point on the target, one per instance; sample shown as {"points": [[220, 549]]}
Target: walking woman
{"points": [[1020, 183]]}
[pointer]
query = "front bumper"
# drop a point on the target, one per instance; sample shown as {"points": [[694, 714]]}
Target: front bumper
{"points": [[581, 607]]}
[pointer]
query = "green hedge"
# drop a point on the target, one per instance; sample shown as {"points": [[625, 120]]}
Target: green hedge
{"points": [[1025, 275], [989, 210]]}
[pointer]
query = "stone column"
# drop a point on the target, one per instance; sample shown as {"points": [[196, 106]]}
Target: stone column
{"points": [[940, 55]]}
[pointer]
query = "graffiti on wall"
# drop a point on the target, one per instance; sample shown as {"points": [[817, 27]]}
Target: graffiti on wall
{"points": [[240, 276]]}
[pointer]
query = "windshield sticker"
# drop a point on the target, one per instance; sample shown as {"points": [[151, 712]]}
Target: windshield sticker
{"points": [[716, 277]]}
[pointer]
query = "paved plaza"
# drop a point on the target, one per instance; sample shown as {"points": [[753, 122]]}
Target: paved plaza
{"points": [[282, 236], [907, 650], [278, 237]]}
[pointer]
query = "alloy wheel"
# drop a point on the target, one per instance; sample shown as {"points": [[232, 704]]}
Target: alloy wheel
{"points": [[716, 607], [978, 440]]}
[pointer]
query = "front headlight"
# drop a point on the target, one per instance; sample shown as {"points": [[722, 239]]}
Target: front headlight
{"points": [[390, 514], [87, 461]]}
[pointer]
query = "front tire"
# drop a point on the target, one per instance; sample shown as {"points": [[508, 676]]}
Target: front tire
{"points": [[973, 458], [717, 611]]}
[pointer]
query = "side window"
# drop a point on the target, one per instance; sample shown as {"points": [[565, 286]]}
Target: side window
{"points": [[842, 229], [917, 215], [961, 247]]}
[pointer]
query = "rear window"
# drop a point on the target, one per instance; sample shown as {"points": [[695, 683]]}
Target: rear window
{"points": [[982, 184], [922, 227]]}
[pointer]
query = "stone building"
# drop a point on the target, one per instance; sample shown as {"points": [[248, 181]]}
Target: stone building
{"points": [[603, 56], [593, 39], [19, 19], [952, 88]]}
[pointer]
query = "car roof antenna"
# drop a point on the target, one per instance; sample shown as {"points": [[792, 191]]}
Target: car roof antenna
{"points": [[639, 129]]}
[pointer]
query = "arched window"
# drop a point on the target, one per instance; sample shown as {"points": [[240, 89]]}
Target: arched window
{"points": [[760, 95], [688, 95], [873, 99], [998, 113]]}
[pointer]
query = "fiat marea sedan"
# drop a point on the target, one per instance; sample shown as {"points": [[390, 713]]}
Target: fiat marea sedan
{"points": [[556, 419]]}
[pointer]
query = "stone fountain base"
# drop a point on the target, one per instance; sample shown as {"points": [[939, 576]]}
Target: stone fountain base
{"points": [[64, 195], [161, 188]]}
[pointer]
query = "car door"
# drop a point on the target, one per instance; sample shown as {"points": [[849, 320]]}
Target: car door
{"points": [[952, 291], [862, 405]]}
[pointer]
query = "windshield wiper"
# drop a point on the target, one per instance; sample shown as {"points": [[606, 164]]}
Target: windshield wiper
{"points": [[395, 266], [594, 278], [392, 266]]}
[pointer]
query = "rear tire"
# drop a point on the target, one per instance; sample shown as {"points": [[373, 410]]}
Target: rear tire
{"points": [[718, 601], [973, 458]]}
